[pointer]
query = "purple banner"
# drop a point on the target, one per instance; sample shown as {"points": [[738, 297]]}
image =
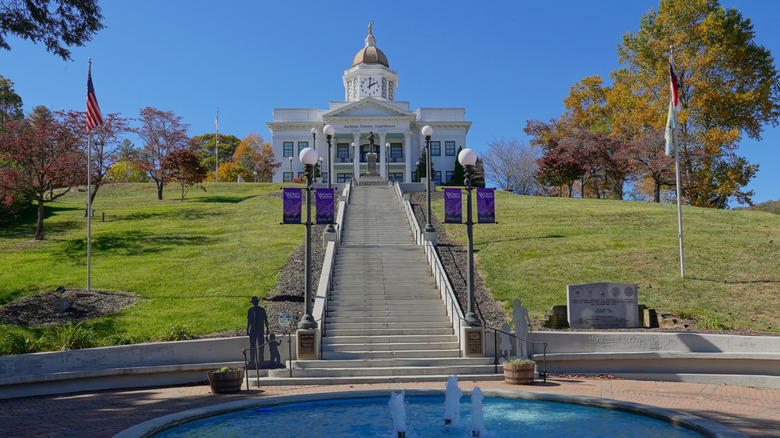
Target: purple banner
{"points": [[325, 210], [452, 206], [292, 198], [486, 206]]}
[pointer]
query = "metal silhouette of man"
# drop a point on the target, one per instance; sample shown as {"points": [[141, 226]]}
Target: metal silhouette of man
{"points": [[256, 319]]}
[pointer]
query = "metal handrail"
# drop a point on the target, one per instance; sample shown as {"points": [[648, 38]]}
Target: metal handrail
{"points": [[257, 362], [495, 350]]}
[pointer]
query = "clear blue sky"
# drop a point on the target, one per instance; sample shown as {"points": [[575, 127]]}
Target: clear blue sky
{"points": [[504, 61]]}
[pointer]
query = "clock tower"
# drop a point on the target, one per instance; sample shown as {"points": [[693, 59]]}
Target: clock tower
{"points": [[370, 75]]}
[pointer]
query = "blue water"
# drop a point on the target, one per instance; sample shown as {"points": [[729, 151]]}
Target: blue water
{"points": [[370, 417]]}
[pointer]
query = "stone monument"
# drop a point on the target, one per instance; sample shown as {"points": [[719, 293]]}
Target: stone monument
{"points": [[602, 305]]}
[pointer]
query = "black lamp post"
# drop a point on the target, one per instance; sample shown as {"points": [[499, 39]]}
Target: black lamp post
{"points": [[292, 177], [328, 130], [314, 138], [387, 161], [308, 158], [427, 132], [467, 158]]}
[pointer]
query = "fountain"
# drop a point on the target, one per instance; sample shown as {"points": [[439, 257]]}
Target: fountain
{"points": [[364, 413], [398, 411], [452, 397], [477, 422]]}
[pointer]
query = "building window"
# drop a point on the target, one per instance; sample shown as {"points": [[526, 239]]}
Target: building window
{"points": [[414, 176], [435, 148], [302, 145], [343, 177], [342, 150], [287, 149], [300, 175], [450, 176], [399, 177], [396, 150], [449, 148], [437, 177], [287, 177]]}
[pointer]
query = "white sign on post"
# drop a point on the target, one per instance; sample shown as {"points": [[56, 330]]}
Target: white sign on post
{"points": [[284, 320], [602, 305]]}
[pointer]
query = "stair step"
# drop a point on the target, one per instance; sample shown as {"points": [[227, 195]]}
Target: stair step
{"points": [[390, 371], [388, 338]]}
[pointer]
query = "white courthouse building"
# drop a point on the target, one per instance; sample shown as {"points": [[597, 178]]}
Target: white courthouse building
{"points": [[369, 105]]}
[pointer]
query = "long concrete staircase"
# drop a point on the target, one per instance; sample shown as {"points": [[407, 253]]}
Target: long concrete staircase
{"points": [[386, 321]]}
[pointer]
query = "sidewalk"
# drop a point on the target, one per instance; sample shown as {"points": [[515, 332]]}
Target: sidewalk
{"points": [[752, 411]]}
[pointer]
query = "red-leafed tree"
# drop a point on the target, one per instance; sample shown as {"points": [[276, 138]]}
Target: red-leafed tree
{"points": [[105, 143], [184, 167], [43, 154], [648, 161], [162, 132], [558, 167]]}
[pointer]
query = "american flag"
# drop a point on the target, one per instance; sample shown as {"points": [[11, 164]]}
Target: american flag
{"points": [[94, 118]]}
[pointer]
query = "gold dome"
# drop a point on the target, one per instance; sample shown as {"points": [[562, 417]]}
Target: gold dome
{"points": [[370, 54]]}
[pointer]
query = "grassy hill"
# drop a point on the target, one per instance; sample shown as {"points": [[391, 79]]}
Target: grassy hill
{"points": [[732, 258], [196, 263]]}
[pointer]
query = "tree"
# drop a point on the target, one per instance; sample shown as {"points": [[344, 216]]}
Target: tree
{"points": [[421, 167], [266, 165], [126, 151], [44, 154], [559, 167], [185, 168], [511, 165], [10, 102], [56, 23], [204, 147], [104, 143], [729, 87], [459, 173], [162, 132], [647, 161], [478, 176], [126, 171]]}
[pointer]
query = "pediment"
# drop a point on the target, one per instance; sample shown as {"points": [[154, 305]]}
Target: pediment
{"points": [[368, 107]]}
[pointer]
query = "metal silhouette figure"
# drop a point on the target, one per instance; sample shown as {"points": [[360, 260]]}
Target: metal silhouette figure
{"points": [[256, 319]]}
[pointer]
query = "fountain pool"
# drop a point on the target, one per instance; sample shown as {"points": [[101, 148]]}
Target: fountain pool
{"points": [[366, 414]]}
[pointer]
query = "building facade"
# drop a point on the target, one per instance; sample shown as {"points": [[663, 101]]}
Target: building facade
{"points": [[369, 106]]}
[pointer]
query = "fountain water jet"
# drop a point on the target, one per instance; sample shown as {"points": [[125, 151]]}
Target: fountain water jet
{"points": [[452, 397], [477, 422], [398, 411]]}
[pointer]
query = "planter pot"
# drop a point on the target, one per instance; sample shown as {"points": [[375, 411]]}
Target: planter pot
{"points": [[225, 382], [519, 374]]}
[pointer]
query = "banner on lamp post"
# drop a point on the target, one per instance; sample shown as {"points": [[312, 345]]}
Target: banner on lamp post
{"points": [[452, 206], [325, 210], [292, 200], [486, 206]]}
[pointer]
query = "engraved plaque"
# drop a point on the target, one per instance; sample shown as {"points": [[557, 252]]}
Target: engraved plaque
{"points": [[474, 341], [307, 344]]}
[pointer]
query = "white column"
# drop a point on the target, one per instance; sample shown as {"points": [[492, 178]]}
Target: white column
{"points": [[382, 155], [408, 157], [356, 159]]}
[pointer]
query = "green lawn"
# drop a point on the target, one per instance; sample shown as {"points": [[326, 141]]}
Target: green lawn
{"points": [[732, 258], [196, 263]]}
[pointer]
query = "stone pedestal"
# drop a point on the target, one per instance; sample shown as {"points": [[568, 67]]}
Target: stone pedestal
{"points": [[328, 237]]}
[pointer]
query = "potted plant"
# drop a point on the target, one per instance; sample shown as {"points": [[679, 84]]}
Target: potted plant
{"points": [[519, 371], [226, 380]]}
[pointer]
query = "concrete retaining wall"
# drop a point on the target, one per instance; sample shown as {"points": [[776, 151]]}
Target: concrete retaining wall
{"points": [[140, 365]]}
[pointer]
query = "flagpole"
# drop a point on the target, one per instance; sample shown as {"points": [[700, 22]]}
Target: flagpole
{"points": [[677, 181], [216, 151], [89, 201]]}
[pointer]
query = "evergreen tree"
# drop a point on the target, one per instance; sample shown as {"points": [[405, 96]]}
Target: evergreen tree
{"points": [[459, 175]]}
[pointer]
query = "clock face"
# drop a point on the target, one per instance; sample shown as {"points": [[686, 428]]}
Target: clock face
{"points": [[370, 86]]}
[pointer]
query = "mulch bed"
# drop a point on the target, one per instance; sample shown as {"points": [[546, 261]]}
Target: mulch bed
{"points": [[38, 310]]}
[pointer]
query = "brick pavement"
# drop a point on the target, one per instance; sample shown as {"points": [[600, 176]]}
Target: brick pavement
{"points": [[752, 411]]}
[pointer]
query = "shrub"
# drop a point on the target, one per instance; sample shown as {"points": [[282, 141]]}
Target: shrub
{"points": [[18, 343], [711, 323], [71, 337], [175, 332]]}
